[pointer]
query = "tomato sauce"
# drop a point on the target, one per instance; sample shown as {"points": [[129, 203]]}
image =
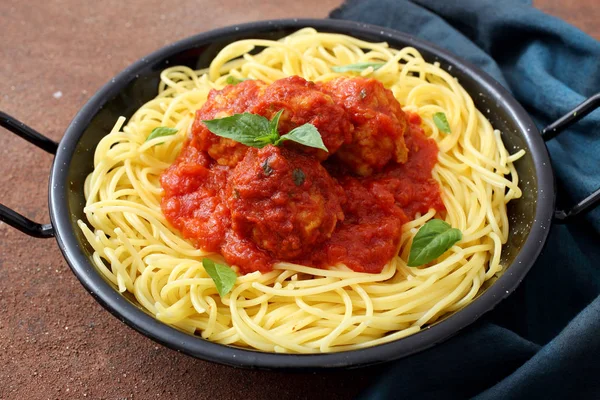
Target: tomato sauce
{"points": [[279, 204]]}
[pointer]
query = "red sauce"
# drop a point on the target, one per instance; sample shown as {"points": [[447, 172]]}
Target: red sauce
{"points": [[260, 206]]}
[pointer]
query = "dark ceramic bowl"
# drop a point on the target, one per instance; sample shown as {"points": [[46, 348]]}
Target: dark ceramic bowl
{"points": [[530, 216]]}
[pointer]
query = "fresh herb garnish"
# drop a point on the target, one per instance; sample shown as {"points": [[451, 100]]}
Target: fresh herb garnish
{"points": [[298, 176], [257, 131], [274, 124], [357, 67], [267, 169], [441, 122], [249, 129], [307, 135], [232, 80], [161, 131], [433, 239], [223, 276]]}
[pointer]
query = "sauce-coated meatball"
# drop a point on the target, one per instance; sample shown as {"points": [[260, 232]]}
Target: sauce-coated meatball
{"points": [[284, 201], [302, 102], [233, 99], [379, 124]]}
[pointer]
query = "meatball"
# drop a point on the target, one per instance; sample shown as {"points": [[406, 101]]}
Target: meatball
{"points": [[378, 120], [283, 201], [302, 102], [233, 99]]}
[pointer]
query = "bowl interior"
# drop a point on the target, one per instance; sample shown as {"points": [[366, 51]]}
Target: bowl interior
{"points": [[138, 84]]}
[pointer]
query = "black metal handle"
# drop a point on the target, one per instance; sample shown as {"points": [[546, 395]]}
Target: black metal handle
{"points": [[12, 217], [556, 128]]}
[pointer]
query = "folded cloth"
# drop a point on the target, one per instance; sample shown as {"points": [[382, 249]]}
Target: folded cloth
{"points": [[544, 340]]}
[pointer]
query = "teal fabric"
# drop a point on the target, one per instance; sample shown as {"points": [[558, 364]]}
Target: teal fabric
{"points": [[544, 340]]}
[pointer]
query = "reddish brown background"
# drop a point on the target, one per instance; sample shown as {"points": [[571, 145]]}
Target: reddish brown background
{"points": [[55, 340]]}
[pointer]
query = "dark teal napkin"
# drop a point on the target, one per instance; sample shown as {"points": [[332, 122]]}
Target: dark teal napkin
{"points": [[544, 340]]}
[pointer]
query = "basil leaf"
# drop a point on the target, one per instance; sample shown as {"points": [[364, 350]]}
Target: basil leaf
{"points": [[249, 129], [433, 239], [257, 131], [307, 135], [161, 131], [441, 122], [357, 67], [232, 80], [274, 123], [298, 176], [223, 276]]}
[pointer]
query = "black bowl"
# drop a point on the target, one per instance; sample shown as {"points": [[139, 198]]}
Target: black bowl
{"points": [[530, 216]]}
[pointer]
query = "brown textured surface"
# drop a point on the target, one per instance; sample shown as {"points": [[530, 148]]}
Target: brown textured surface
{"points": [[55, 340]]}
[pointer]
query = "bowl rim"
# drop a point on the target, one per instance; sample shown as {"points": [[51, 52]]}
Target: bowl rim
{"points": [[197, 347]]}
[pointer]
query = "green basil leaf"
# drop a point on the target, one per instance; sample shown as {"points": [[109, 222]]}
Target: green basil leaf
{"points": [[223, 276], [274, 123], [357, 67], [441, 122], [262, 141], [249, 129], [232, 80], [257, 131], [307, 135], [161, 131], [433, 239]]}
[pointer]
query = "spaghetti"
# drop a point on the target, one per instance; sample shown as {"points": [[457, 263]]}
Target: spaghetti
{"points": [[296, 308]]}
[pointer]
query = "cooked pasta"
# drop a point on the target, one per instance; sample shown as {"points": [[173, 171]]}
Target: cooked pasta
{"points": [[296, 308]]}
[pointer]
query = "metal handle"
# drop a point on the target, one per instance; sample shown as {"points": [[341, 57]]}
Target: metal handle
{"points": [[556, 128], [12, 217]]}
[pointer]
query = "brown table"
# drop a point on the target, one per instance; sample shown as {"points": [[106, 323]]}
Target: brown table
{"points": [[55, 340]]}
